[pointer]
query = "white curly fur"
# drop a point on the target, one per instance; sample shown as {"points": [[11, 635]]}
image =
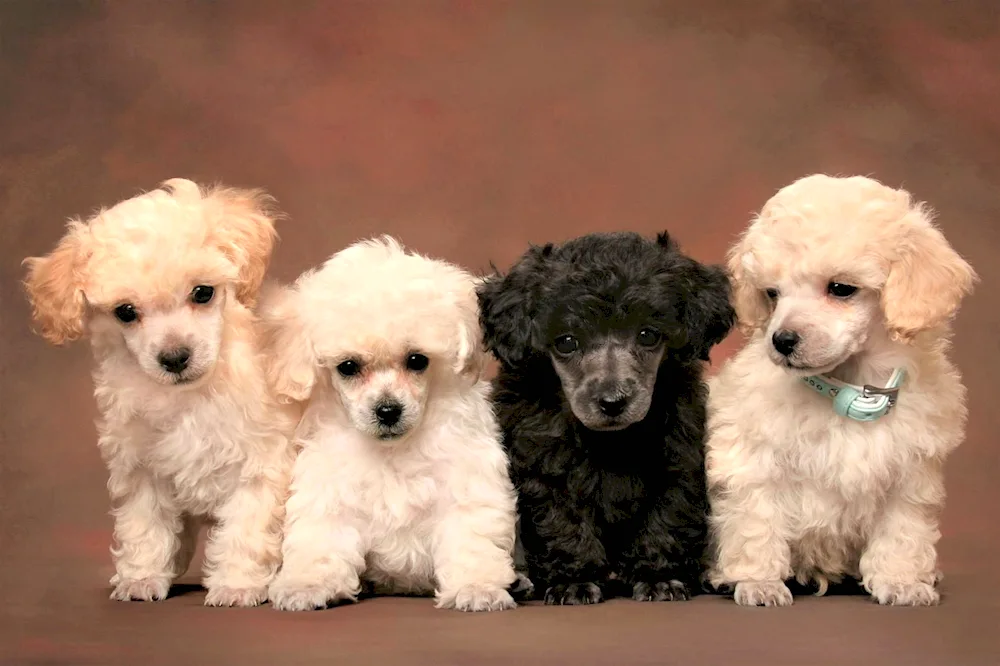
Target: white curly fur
{"points": [[210, 444], [431, 509], [796, 490]]}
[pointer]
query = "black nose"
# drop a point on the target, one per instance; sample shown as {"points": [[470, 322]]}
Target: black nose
{"points": [[388, 413], [785, 341], [612, 407], [175, 360]]}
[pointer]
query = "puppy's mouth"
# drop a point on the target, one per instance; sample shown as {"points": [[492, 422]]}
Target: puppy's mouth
{"points": [[188, 379], [609, 423], [181, 381], [609, 426], [801, 369], [393, 434]]}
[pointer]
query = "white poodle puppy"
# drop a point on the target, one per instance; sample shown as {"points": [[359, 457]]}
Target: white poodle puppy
{"points": [[401, 480], [165, 283], [847, 290]]}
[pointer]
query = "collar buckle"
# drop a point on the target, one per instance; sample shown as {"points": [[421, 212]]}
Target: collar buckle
{"points": [[890, 392]]}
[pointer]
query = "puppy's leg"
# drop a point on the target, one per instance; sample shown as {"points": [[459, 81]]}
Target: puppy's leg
{"points": [[522, 588], [665, 561], [565, 552], [324, 547], [473, 564], [750, 547], [323, 559], [244, 546], [899, 565], [147, 529]]}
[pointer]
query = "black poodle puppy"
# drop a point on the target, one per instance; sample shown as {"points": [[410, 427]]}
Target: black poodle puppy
{"points": [[601, 400]]}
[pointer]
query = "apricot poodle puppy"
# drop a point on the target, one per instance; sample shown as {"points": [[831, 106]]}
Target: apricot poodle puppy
{"points": [[829, 430], [164, 284]]}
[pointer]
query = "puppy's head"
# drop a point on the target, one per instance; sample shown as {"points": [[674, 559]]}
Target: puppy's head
{"points": [[155, 276], [378, 331], [607, 312], [832, 265]]}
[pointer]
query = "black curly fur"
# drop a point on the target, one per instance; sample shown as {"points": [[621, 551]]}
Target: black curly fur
{"points": [[607, 513]]}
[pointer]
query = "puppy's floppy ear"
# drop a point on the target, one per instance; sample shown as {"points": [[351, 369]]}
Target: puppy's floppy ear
{"points": [[752, 309], [470, 356], [927, 279], [54, 285], [291, 361], [707, 314], [244, 231], [507, 306]]}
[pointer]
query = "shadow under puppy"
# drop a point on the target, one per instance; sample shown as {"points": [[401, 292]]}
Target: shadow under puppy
{"points": [[601, 400], [401, 481], [164, 283], [846, 288]]}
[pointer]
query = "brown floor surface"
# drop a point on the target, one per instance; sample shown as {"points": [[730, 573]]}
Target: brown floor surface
{"points": [[470, 128]]}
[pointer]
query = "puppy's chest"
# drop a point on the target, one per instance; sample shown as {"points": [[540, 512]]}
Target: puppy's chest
{"points": [[851, 459], [197, 451], [402, 498], [616, 496]]}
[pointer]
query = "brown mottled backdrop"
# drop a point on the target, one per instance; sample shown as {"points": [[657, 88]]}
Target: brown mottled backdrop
{"points": [[469, 128]]}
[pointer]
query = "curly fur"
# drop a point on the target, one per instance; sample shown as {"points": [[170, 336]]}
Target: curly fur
{"points": [[425, 505], [210, 443], [620, 510], [798, 491]]}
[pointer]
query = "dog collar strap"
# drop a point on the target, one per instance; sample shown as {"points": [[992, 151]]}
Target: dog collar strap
{"points": [[861, 403]]}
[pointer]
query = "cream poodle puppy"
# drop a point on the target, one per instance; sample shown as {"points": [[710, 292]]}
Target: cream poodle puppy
{"points": [[164, 283], [401, 480], [829, 430]]}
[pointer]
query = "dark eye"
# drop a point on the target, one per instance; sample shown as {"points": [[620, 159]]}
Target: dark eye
{"points": [[566, 344], [349, 368], [771, 294], [126, 313], [840, 290], [648, 337], [417, 362], [202, 294]]}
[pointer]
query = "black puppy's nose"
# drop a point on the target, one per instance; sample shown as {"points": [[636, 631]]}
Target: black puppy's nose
{"points": [[175, 360], [388, 413], [785, 341], [613, 406]]}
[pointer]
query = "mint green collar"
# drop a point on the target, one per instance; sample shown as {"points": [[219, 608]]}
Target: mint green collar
{"points": [[861, 403]]}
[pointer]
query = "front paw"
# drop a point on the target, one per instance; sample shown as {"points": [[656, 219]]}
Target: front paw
{"points": [[293, 596], [575, 594], [153, 588], [673, 590], [905, 594], [236, 596], [762, 593], [476, 598]]}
